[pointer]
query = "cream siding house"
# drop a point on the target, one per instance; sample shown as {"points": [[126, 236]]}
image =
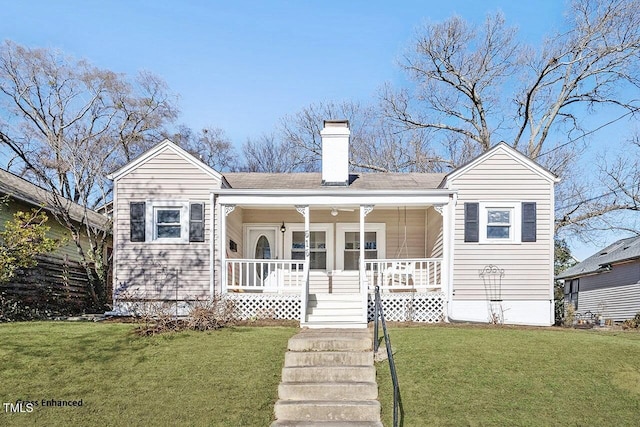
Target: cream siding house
{"points": [[313, 246]]}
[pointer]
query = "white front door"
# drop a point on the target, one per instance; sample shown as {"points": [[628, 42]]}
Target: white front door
{"points": [[262, 244]]}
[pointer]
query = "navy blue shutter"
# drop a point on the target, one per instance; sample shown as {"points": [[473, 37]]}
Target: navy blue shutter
{"points": [[137, 213], [528, 221], [196, 222], [471, 222]]}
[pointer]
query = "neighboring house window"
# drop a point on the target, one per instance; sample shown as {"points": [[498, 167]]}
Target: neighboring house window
{"points": [[571, 288], [167, 221], [500, 222]]}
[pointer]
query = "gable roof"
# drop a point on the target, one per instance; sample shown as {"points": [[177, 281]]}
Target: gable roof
{"points": [[504, 148], [166, 145], [313, 181], [623, 250], [21, 189]]}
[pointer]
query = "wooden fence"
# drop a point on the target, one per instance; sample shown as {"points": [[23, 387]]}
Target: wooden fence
{"points": [[55, 284]]}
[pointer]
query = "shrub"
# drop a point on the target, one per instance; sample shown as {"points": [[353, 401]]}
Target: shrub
{"points": [[633, 323]]}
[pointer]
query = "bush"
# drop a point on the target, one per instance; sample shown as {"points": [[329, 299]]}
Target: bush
{"points": [[633, 323], [203, 316]]}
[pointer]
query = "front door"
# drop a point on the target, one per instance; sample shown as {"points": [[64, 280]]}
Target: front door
{"points": [[262, 245]]}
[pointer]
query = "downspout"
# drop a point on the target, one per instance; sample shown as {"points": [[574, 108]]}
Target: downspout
{"points": [[212, 246], [450, 239]]}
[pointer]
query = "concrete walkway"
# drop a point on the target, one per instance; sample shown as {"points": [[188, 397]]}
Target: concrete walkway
{"points": [[328, 379]]}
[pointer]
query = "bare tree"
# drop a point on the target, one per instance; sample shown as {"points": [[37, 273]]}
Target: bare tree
{"points": [[67, 124], [268, 154], [476, 85], [376, 143], [210, 144]]}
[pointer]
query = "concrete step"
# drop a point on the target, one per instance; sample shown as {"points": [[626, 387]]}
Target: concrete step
{"points": [[337, 304], [332, 340], [328, 358], [323, 374], [326, 424], [328, 391], [349, 410]]}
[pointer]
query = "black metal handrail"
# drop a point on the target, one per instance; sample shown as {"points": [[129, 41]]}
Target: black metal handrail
{"points": [[379, 313]]}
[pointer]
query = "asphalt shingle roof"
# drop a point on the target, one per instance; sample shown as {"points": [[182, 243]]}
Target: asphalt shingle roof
{"points": [[313, 181], [21, 189], [622, 250]]}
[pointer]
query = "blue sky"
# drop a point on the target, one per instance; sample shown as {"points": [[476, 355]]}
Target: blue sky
{"points": [[243, 65]]}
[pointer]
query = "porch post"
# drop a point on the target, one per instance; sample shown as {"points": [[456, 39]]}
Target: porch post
{"points": [[226, 210], [364, 285], [304, 211]]}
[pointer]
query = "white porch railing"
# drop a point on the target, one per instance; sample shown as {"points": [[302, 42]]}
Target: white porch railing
{"points": [[419, 274], [257, 275]]}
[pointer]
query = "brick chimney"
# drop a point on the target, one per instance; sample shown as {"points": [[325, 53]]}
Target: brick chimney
{"points": [[335, 153]]}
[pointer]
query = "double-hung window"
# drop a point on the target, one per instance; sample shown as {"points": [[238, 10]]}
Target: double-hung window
{"points": [[167, 223], [499, 223]]}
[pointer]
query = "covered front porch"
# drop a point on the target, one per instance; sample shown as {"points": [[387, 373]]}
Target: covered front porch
{"points": [[328, 252]]}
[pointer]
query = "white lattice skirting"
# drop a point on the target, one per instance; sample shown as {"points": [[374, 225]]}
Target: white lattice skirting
{"points": [[266, 306], [398, 307], [411, 307]]}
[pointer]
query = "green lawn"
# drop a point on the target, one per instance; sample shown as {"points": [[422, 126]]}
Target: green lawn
{"points": [[449, 375], [222, 378], [500, 376]]}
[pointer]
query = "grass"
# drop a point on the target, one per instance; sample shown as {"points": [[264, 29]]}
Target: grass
{"points": [[227, 377], [499, 376], [449, 375]]}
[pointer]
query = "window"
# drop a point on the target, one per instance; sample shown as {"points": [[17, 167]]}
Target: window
{"points": [[499, 223], [317, 248], [167, 223], [352, 248], [348, 244]]}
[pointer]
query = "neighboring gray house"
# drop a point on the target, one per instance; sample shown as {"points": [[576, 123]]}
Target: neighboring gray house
{"points": [[312, 246], [608, 282]]}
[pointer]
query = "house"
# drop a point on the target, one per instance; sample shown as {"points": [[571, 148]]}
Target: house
{"points": [[472, 245], [607, 283], [60, 271]]}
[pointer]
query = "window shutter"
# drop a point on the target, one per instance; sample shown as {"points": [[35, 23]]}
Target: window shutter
{"points": [[528, 221], [196, 222], [137, 213], [471, 222]]}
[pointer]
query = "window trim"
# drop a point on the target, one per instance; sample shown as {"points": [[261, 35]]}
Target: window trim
{"points": [[151, 229], [515, 222]]}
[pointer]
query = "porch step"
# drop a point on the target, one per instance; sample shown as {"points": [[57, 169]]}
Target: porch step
{"points": [[335, 310], [328, 380]]}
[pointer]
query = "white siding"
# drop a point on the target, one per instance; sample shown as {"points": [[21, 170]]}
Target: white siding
{"points": [[528, 266], [159, 270]]}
